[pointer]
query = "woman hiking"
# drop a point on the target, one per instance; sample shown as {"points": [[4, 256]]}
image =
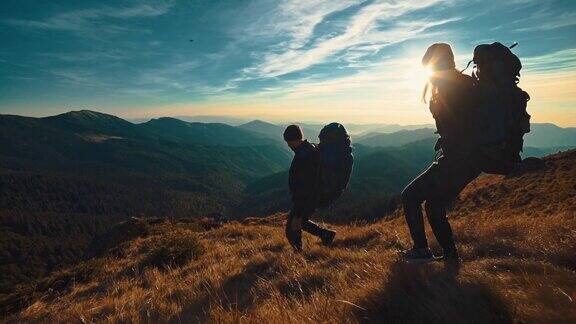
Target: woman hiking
{"points": [[452, 102]]}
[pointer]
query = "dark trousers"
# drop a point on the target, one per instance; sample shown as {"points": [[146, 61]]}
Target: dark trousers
{"points": [[302, 211], [437, 187]]}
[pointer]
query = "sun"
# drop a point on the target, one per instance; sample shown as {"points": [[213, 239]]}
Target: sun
{"points": [[419, 74], [429, 71]]}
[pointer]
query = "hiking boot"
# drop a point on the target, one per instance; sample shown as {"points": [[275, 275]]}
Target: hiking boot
{"points": [[451, 261], [295, 240], [328, 237], [418, 256]]}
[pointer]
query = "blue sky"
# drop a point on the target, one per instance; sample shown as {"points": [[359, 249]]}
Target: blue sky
{"points": [[356, 61]]}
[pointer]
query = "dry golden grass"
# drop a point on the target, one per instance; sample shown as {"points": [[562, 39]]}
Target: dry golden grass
{"points": [[519, 266]]}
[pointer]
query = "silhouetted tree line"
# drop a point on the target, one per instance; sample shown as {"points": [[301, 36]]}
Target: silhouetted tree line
{"points": [[34, 244], [47, 220], [65, 194]]}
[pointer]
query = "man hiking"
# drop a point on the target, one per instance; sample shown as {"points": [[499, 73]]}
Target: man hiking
{"points": [[303, 182], [452, 103]]}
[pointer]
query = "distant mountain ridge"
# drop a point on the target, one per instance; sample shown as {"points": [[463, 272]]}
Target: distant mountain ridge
{"points": [[203, 133], [232, 121], [550, 135], [265, 128], [399, 138], [543, 139]]}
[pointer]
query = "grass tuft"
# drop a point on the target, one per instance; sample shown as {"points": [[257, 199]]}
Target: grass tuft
{"points": [[172, 250]]}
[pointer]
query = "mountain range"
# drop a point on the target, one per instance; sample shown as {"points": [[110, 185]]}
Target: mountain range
{"points": [[228, 167], [397, 138], [543, 138]]}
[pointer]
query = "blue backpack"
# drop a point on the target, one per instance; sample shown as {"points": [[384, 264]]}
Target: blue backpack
{"points": [[335, 164]]}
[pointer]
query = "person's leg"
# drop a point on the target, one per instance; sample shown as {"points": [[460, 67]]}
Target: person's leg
{"points": [[454, 175], [412, 197], [312, 228], [326, 235], [436, 213], [293, 229]]}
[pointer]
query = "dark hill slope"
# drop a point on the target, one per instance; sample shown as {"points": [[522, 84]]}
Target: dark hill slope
{"points": [[262, 127], [551, 190], [549, 135], [398, 138], [94, 123], [203, 133]]}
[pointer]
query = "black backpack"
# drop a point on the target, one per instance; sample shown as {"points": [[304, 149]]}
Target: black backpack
{"points": [[335, 163], [502, 117]]}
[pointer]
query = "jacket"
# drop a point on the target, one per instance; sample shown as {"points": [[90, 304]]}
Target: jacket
{"points": [[454, 107], [303, 173]]}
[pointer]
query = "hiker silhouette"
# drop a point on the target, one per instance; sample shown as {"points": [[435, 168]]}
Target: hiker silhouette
{"points": [[452, 100], [319, 175], [481, 120], [303, 184]]}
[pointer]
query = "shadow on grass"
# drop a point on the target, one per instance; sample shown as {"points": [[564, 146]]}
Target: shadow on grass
{"points": [[235, 293], [358, 241], [237, 290], [302, 288], [429, 294]]}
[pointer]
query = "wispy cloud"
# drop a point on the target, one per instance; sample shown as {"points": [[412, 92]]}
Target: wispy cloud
{"points": [[175, 75], [543, 21], [556, 61], [78, 77], [110, 55], [361, 33], [293, 20], [302, 17], [94, 22], [396, 76]]}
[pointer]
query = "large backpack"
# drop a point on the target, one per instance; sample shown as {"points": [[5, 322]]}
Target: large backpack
{"points": [[335, 164], [502, 117]]}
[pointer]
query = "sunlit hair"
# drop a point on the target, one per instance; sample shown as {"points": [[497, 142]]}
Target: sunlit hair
{"points": [[437, 59]]}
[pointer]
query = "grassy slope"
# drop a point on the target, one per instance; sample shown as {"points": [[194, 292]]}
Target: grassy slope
{"points": [[517, 238]]}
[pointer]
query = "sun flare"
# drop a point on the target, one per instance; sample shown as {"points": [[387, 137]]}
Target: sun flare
{"points": [[428, 71]]}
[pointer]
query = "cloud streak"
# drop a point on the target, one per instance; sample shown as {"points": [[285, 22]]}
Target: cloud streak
{"points": [[554, 21], [361, 33], [94, 22], [555, 61]]}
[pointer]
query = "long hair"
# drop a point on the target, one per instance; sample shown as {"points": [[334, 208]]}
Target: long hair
{"points": [[440, 58]]}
